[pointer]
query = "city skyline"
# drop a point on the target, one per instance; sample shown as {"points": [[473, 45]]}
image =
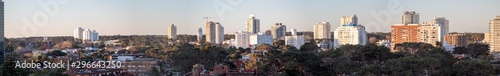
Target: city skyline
{"points": [[115, 17]]}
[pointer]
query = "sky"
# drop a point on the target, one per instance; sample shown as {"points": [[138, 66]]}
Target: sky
{"points": [[27, 18]]}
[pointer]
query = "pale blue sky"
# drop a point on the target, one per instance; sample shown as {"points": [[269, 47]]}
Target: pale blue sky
{"points": [[151, 17]]}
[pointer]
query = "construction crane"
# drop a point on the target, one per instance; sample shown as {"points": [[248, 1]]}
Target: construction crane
{"points": [[209, 18]]}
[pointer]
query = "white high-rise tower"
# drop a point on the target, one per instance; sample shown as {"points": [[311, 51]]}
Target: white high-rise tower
{"points": [[322, 30], [494, 34], [350, 33], [78, 33], [210, 32], [219, 36], [172, 31]]}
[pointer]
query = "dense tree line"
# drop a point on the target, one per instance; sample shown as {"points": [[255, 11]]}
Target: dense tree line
{"points": [[363, 60]]}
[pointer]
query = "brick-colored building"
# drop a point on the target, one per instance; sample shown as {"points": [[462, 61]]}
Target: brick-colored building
{"points": [[457, 39], [401, 33]]}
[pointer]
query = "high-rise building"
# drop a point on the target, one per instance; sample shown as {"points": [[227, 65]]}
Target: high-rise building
{"points": [[457, 39], [431, 33], [349, 20], [443, 22], [78, 33], [322, 30], [86, 34], [278, 31], [253, 24], [242, 39], [260, 38], [410, 17], [95, 35], [172, 31], [350, 33], [200, 34], [219, 36], [295, 40], [494, 33], [401, 33], [210, 32]]}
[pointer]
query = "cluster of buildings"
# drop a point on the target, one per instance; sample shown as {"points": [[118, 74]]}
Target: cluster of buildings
{"points": [[86, 34], [350, 32], [410, 30]]}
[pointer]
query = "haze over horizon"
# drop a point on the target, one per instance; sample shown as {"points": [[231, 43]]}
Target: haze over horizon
{"points": [[25, 18]]}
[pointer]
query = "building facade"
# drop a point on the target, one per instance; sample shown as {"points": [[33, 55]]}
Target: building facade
{"points": [[78, 33], [322, 30], [350, 32], [295, 40], [441, 21], [210, 32], [90, 35], [260, 38], [253, 24], [278, 31], [431, 33], [349, 20], [494, 34], [200, 34], [219, 36], [410, 17], [172, 31], [242, 39], [401, 33], [457, 39]]}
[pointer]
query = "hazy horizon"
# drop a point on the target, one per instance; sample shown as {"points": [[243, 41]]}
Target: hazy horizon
{"points": [[26, 18]]}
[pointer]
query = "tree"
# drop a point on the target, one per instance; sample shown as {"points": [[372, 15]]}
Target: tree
{"points": [[56, 53], [154, 72], [460, 50], [279, 43], [309, 47], [472, 68], [406, 66], [263, 47], [477, 49]]}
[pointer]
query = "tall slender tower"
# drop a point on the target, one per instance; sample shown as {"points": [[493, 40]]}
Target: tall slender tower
{"points": [[494, 34], [210, 32], [172, 31], [200, 33], [253, 24], [410, 17], [219, 36]]}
